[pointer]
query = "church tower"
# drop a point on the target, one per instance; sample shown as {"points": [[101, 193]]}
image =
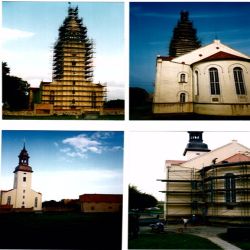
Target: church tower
{"points": [[22, 196], [184, 37], [72, 88], [196, 146], [23, 172]]}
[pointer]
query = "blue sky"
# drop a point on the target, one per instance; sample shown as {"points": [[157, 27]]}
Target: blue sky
{"points": [[31, 28], [66, 163], [151, 26]]}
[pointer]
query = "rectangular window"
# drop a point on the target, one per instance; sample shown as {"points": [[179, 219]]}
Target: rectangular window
{"points": [[230, 196], [239, 81], [214, 81], [36, 201], [24, 179], [9, 200]]}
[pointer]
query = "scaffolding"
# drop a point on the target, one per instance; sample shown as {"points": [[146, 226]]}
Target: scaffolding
{"points": [[72, 88], [216, 192]]}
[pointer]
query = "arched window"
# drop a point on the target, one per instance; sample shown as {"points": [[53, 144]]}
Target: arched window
{"points": [[214, 81], [230, 188], [239, 81], [182, 78], [182, 97]]}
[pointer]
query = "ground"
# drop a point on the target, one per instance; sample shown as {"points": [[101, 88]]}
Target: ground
{"points": [[192, 237], [60, 231]]}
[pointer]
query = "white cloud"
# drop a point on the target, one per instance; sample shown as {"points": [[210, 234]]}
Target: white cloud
{"points": [[80, 145], [14, 34], [102, 135]]}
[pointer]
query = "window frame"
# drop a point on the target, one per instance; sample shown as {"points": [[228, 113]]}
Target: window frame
{"points": [[214, 80], [239, 81]]}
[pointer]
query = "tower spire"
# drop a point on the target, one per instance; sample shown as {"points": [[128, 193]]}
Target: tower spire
{"points": [[184, 37], [196, 143]]}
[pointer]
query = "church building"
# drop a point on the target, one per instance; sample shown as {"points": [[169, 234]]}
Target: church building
{"points": [[22, 196], [207, 80], [72, 90], [211, 185]]}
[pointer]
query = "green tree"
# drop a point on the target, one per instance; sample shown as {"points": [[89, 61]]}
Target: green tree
{"points": [[15, 90], [139, 200]]}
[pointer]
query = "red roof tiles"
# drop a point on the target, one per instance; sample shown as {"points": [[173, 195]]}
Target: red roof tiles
{"points": [[111, 198], [221, 55], [238, 158]]}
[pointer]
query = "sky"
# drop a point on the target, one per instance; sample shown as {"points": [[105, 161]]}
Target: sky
{"points": [[148, 151], [30, 29], [66, 164], [152, 24]]}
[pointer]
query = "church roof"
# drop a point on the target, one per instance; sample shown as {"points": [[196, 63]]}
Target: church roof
{"points": [[213, 51], [111, 198], [238, 158], [23, 168], [221, 153], [221, 55], [175, 162]]}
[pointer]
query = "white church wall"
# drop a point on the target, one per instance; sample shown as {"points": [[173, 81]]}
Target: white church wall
{"points": [[173, 87], [197, 90], [12, 195]]}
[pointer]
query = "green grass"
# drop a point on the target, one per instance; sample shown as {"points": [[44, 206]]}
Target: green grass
{"points": [[242, 244], [170, 240], [60, 231]]}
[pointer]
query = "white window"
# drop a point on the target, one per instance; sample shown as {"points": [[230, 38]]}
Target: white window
{"points": [[239, 81], [182, 77], [214, 81]]}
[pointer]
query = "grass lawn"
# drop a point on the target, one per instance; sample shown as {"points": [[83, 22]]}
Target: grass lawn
{"points": [[170, 240], [61, 231], [243, 244]]}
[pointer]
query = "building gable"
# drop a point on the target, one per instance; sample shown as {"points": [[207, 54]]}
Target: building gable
{"points": [[218, 155], [210, 50]]}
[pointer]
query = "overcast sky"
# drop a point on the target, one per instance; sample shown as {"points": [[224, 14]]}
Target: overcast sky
{"points": [[30, 30], [148, 151], [152, 24], [66, 164]]}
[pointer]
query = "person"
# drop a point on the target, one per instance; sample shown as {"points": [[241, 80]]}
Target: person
{"points": [[185, 221]]}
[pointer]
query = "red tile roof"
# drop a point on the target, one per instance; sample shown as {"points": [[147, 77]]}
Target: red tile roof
{"points": [[221, 55], [238, 158], [174, 161], [166, 58], [111, 198]]}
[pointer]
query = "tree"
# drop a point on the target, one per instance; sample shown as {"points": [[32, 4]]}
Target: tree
{"points": [[15, 90], [139, 200], [118, 103]]}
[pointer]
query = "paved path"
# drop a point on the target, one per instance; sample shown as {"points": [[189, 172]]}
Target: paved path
{"points": [[207, 232]]}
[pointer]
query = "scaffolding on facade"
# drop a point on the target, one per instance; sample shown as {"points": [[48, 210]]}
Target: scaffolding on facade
{"points": [[216, 192]]}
